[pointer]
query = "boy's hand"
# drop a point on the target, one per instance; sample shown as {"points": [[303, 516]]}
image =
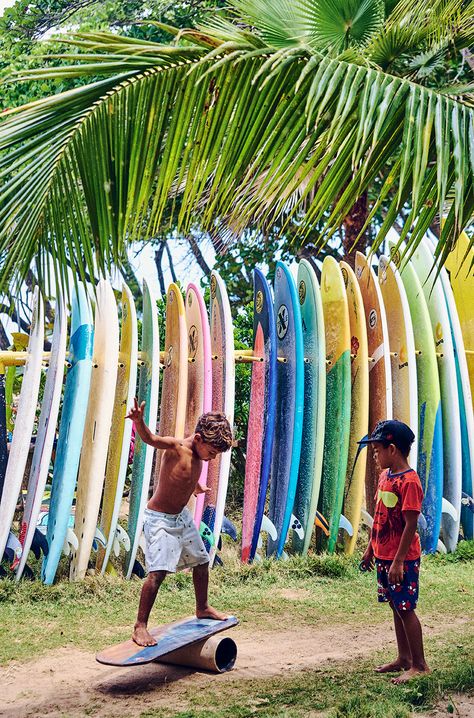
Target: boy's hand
{"points": [[367, 563], [200, 489], [136, 412], [395, 574]]}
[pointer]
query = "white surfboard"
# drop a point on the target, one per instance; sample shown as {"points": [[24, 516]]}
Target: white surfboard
{"points": [[46, 433], [95, 443], [24, 421]]}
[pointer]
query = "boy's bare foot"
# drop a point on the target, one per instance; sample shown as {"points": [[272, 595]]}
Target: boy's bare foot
{"points": [[393, 667], [142, 637], [211, 612], [411, 673]]}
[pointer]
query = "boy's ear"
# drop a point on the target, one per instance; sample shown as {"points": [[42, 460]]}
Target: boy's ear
{"points": [[198, 438]]}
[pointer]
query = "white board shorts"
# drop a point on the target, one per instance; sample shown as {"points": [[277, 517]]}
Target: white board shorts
{"points": [[172, 542]]}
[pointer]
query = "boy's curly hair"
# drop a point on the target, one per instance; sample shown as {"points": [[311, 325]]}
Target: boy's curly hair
{"points": [[215, 429]]}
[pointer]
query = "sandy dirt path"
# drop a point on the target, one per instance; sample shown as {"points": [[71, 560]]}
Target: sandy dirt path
{"points": [[69, 682]]}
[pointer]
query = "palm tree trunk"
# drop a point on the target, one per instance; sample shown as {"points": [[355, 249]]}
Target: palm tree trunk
{"points": [[352, 226]]}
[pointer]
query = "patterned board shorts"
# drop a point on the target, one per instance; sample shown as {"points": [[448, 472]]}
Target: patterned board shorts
{"points": [[404, 595], [172, 542]]}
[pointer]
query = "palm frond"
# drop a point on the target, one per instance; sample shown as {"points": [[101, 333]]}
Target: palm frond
{"points": [[211, 138]]}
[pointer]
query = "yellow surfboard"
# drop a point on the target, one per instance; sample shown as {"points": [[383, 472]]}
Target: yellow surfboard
{"points": [[174, 387], [462, 281], [402, 349], [120, 434], [354, 489]]}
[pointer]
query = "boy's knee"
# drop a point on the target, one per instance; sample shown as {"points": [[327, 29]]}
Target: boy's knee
{"points": [[157, 577], [201, 568]]}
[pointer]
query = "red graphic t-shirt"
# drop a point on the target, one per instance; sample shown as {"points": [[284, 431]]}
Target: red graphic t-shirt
{"points": [[396, 493]]}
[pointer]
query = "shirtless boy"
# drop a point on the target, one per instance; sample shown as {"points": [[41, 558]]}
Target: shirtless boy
{"points": [[172, 540]]}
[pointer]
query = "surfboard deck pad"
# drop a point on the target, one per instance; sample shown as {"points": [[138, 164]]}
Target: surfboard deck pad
{"points": [[169, 638]]}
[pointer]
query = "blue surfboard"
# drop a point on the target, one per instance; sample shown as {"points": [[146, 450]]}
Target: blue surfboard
{"points": [[266, 317], [71, 429], [289, 407]]}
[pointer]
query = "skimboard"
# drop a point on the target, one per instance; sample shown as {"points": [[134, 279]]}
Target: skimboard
{"points": [[422, 259], [24, 421], [354, 489], [338, 399], [169, 638], [148, 387], [402, 349], [261, 422], [289, 407], [175, 372], [380, 382], [199, 399], [121, 431], [223, 397], [45, 435], [71, 429], [312, 443], [430, 440], [464, 399], [95, 443]]}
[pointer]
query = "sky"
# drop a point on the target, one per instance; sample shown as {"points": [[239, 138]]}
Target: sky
{"points": [[4, 4]]}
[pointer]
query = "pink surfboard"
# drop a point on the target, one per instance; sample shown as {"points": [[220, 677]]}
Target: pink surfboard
{"points": [[199, 376]]}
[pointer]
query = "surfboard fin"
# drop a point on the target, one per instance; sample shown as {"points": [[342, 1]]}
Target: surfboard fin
{"points": [[422, 522], [320, 521], [296, 526], [441, 547], [71, 541], [269, 527], [468, 501], [138, 569], [206, 533], [39, 543], [284, 556], [122, 537], [229, 528], [257, 558], [99, 538], [13, 550], [346, 525], [448, 508], [366, 518]]}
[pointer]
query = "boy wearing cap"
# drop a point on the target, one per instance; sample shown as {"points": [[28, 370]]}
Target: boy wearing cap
{"points": [[395, 544]]}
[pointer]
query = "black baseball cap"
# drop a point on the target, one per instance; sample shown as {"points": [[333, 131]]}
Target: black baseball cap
{"points": [[391, 431]]}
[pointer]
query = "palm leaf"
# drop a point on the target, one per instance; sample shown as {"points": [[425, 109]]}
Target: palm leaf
{"points": [[212, 139]]}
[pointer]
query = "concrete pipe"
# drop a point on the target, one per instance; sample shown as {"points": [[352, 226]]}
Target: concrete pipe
{"points": [[217, 654]]}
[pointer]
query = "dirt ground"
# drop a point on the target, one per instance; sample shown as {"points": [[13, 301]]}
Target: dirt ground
{"points": [[71, 683]]}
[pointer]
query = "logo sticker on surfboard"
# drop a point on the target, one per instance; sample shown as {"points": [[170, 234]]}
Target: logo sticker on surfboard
{"points": [[396, 258], [372, 319], [302, 291], [259, 301], [403, 357], [190, 299], [282, 321], [193, 342], [345, 276], [439, 334], [213, 285]]}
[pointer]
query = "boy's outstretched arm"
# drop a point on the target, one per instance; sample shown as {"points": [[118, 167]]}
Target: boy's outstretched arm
{"points": [[143, 431], [395, 574]]}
